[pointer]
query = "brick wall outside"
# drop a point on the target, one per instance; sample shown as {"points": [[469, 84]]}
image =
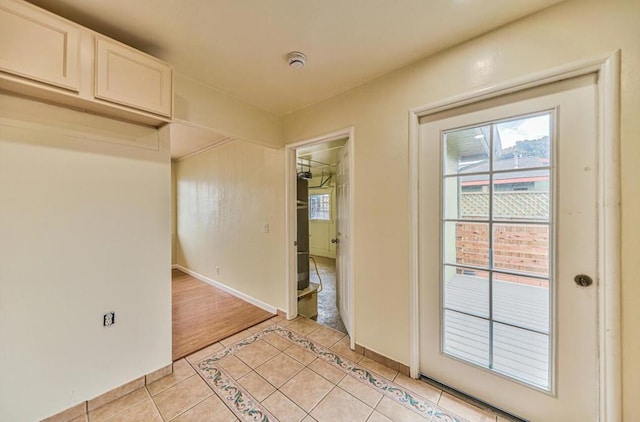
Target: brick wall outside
{"points": [[510, 243]]}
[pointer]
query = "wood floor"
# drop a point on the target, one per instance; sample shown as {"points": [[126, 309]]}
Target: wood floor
{"points": [[203, 314], [519, 338]]}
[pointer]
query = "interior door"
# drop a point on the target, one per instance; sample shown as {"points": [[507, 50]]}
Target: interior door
{"points": [[508, 236], [343, 258]]}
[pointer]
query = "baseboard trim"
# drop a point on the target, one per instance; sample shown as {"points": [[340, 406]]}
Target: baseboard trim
{"points": [[377, 357], [83, 408], [252, 300]]}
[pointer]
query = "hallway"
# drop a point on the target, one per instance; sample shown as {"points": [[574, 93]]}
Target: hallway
{"points": [[203, 314]]}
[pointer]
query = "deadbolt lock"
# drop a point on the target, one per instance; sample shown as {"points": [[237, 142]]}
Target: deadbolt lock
{"points": [[583, 280]]}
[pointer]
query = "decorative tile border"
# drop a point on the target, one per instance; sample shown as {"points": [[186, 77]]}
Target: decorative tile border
{"points": [[394, 391], [248, 408], [243, 404]]}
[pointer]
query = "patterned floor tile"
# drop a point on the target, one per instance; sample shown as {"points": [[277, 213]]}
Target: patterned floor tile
{"points": [[385, 371], [257, 353], [237, 399], [397, 412], [325, 336], [182, 397], [212, 409], [360, 384], [118, 406], [181, 371], [421, 388], [341, 406], [257, 386], [201, 354], [145, 411], [360, 391], [307, 389], [472, 413], [283, 408], [279, 370], [378, 417], [305, 357]]}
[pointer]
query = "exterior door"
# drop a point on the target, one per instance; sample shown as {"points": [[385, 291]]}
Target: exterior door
{"points": [[343, 258], [508, 233]]}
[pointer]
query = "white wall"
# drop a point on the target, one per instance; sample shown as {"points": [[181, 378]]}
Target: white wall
{"points": [[174, 214], [566, 33], [85, 229], [225, 196], [206, 106]]}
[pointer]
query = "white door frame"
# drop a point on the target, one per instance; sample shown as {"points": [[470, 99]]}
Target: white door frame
{"points": [[608, 185], [290, 198]]}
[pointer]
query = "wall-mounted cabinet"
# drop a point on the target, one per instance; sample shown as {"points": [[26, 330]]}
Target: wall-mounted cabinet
{"points": [[39, 46], [128, 77], [47, 57]]}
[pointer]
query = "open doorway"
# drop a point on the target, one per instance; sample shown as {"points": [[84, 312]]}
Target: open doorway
{"points": [[319, 229], [317, 236]]}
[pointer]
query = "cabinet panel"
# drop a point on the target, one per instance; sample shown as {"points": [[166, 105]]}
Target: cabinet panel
{"points": [[131, 78], [38, 45]]}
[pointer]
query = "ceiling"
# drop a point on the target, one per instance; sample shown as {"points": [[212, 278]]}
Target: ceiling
{"points": [[188, 139], [320, 157], [239, 46]]}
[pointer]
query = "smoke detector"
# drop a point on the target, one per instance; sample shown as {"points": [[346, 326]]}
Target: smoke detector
{"points": [[296, 60]]}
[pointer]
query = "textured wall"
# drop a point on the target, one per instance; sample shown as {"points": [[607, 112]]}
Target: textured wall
{"points": [[566, 33], [225, 197], [85, 229]]}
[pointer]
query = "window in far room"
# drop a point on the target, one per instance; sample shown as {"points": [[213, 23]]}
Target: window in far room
{"points": [[320, 207]]}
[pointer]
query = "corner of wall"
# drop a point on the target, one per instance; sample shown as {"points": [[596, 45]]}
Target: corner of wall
{"points": [[202, 104]]}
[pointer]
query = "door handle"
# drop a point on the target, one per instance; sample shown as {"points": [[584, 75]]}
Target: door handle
{"points": [[334, 240], [583, 280]]}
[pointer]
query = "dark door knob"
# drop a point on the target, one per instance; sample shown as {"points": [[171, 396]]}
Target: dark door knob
{"points": [[583, 280], [334, 240]]}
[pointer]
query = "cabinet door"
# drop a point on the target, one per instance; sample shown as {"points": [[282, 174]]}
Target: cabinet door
{"points": [[131, 78], [38, 45]]}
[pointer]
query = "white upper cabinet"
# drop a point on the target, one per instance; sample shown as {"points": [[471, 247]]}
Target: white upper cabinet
{"points": [[50, 58], [131, 78], [39, 45]]}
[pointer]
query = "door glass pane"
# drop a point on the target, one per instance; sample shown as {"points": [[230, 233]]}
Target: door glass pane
{"points": [[521, 301], [319, 206], [466, 243], [521, 248], [521, 354], [521, 196], [467, 197], [467, 150], [496, 237], [522, 143], [466, 337], [466, 291]]}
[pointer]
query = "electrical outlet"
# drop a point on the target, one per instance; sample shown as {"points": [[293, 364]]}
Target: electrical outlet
{"points": [[265, 228], [218, 270], [109, 319]]}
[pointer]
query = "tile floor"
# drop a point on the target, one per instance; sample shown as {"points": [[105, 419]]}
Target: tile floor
{"points": [[285, 371]]}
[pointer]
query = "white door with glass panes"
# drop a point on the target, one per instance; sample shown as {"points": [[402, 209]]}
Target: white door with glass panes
{"points": [[508, 237], [321, 222]]}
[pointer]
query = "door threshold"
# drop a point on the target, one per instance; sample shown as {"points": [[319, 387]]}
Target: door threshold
{"points": [[472, 400]]}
